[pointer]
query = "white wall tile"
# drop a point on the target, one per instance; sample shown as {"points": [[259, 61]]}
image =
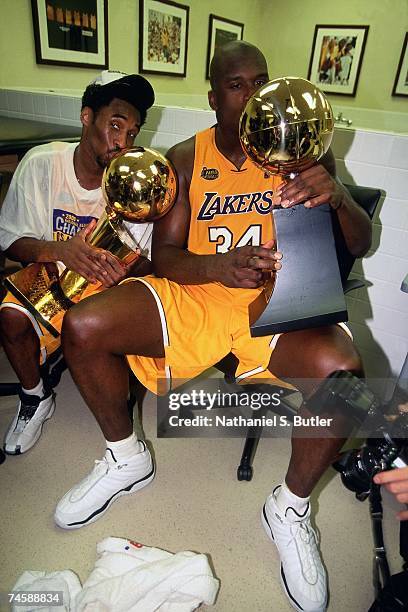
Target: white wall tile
{"points": [[76, 108], [162, 142], [399, 152], [40, 108], [387, 240], [67, 108], [26, 103], [53, 107], [153, 118], [396, 183], [185, 122], [376, 148], [3, 100], [166, 120], [387, 294], [384, 267], [367, 175], [347, 144], [204, 120], [392, 212], [13, 102], [386, 319]]}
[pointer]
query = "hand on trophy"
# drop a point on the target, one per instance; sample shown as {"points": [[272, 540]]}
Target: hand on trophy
{"points": [[94, 264], [312, 187], [247, 266]]}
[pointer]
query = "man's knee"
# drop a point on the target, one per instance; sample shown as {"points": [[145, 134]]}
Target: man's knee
{"points": [[81, 327], [14, 324], [332, 358]]}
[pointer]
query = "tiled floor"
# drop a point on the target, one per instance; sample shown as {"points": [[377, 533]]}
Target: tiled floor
{"points": [[195, 503]]}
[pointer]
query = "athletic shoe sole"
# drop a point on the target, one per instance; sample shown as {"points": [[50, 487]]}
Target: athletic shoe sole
{"points": [[97, 514], [18, 450], [292, 601]]}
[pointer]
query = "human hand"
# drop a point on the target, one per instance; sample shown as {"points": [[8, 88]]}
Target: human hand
{"points": [[94, 264], [246, 266], [313, 187], [395, 481]]}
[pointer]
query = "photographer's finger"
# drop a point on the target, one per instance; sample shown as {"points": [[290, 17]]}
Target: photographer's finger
{"points": [[403, 516], [391, 476]]}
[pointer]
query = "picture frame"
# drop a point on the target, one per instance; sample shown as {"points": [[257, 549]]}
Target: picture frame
{"points": [[163, 37], [336, 58], [401, 78], [71, 32], [221, 31]]}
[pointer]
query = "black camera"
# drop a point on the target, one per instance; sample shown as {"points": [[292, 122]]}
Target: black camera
{"points": [[385, 448], [386, 445]]}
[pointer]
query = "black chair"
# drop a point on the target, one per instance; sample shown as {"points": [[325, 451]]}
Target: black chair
{"points": [[368, 199]]}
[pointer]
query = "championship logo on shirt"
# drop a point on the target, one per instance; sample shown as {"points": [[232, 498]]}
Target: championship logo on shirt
{"points": [[209, 174], [66, 224]]}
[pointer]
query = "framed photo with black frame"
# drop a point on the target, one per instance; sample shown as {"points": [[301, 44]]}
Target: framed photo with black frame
{"points": [[71, 32], [336, 58], [163, 37], [401, 79], [220, 32]]}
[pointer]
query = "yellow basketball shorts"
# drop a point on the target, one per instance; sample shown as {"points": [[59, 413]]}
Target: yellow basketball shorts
{"points": [[201, 324], [48, 343]]}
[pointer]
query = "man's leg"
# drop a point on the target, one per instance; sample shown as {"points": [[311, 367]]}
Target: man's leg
{"points": [[22, 347], [97, 333], [308, 356]]}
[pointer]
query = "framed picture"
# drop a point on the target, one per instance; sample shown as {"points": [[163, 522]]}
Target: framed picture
{"points": [[401, 78], [163, 37], [71, 32], [221, 31], [337, 54]]}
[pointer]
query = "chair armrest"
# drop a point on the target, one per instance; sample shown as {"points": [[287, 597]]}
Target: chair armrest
{"points": [[351, 284]]}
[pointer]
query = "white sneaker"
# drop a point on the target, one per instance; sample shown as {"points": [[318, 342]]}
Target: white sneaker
{"points": [[303, 576], [87, 501], [26, 427]]}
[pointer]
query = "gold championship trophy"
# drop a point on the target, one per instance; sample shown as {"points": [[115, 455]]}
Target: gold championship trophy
{"points": [[139, 185], [287, 125]]}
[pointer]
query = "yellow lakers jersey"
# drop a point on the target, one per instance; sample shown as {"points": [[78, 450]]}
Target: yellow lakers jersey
{"points": [[229, 207]]}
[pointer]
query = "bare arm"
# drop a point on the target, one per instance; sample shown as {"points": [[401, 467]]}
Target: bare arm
{"points": [[240, 267], [316, 186]]}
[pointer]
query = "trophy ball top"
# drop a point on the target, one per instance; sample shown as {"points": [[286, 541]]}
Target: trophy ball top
{"points": [[287, 124], [139, 185]]}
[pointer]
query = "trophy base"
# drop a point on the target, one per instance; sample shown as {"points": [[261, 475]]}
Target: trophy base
{"points": [[308, 290], [37, 288]]}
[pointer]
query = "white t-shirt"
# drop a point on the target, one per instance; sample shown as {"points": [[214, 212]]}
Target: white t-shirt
{"points": [[45, 200]]}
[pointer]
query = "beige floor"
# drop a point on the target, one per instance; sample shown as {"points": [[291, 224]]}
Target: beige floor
{"points": [[195, 503]]}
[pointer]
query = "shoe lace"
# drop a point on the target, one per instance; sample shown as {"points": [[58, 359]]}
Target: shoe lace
{"points": [[305, 538], [26, 412], [101, 468]]}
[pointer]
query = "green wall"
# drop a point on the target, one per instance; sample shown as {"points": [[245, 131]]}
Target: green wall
{"points": [[289, 46], [284, 31]]}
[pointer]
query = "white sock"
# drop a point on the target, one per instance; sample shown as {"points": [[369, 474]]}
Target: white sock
{"points": [[37, 390], [285, 498], [125, 449]]}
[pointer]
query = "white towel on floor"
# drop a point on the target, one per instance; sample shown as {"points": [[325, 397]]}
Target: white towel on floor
{"points": [[131, 577], [65, 581]]}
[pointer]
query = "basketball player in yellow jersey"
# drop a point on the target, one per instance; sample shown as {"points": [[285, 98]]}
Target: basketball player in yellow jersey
{"points": [[209, 253]]}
